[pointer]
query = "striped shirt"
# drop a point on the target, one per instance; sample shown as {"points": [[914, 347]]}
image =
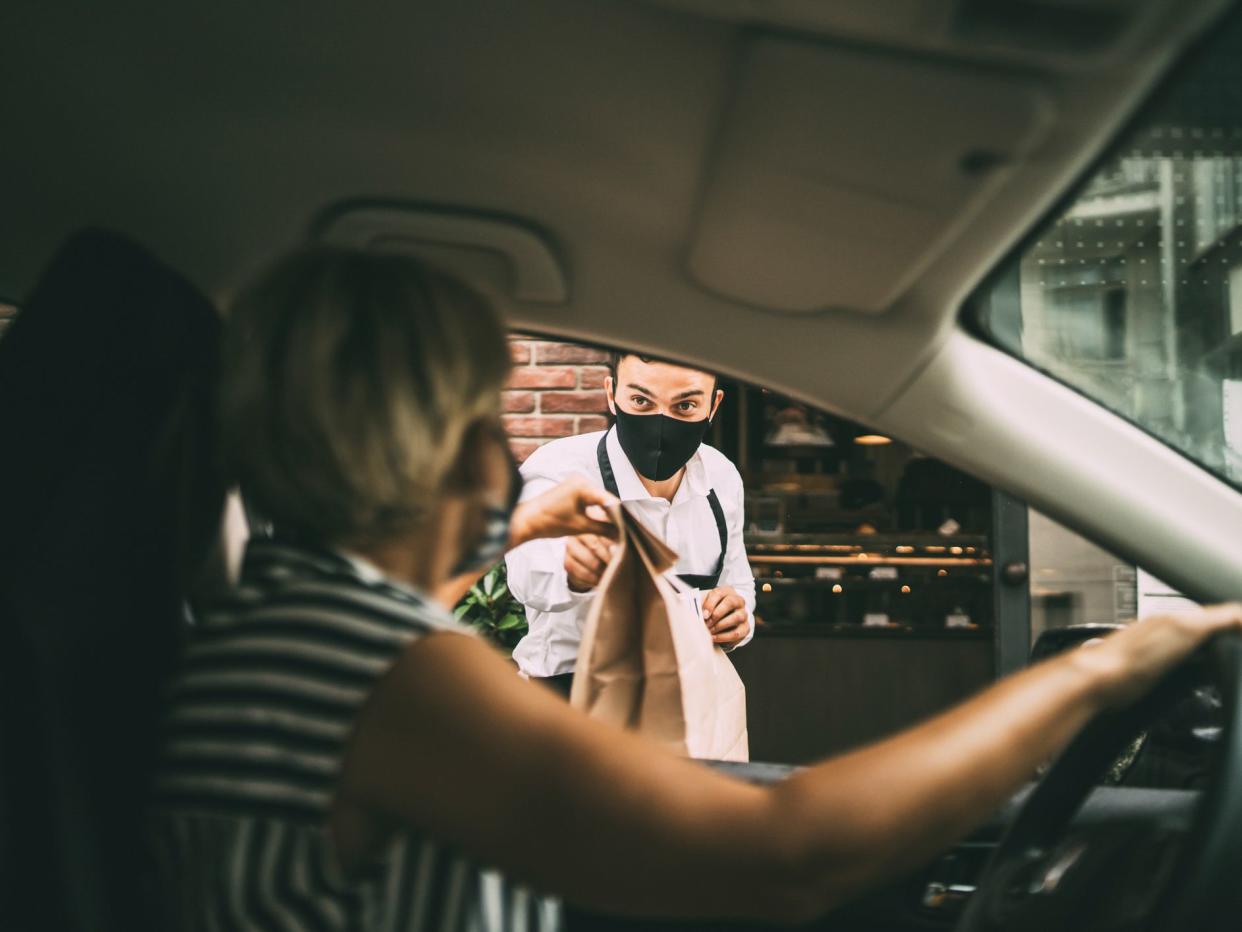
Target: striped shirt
{"points": [[258, 721]]}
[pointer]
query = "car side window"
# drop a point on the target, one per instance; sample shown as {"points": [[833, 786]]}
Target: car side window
{"points": [[884, 579], [874, 565], [1132, 292]]}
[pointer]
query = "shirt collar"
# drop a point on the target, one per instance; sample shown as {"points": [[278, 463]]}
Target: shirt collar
{"points": [[277, 559], [367, 571], [375, 578], [630, 486]]}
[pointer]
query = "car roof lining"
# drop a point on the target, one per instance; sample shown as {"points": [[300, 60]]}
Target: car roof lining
{"points": [[815, 131], [217, 135], [502, 256], [489, 107]]}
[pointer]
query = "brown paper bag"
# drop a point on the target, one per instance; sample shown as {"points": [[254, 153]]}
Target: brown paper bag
{"points": [[647, 661]]}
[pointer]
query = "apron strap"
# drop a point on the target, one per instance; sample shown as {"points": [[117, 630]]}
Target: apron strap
{"points": [[721, 528], [605, 467], [709, 581], [694, 580]]}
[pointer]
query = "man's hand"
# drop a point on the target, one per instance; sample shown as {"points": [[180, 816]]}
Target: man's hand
{"points": [[586, 557], [724, 613], [574, 506]]}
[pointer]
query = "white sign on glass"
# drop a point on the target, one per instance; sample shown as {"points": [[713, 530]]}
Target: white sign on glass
{"points": [[1159, 598]]}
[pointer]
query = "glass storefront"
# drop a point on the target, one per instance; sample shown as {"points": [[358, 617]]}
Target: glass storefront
{"points": [[850, 530]]}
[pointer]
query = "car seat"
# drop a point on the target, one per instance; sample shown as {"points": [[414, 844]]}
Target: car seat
{"points": [[110, 499]]}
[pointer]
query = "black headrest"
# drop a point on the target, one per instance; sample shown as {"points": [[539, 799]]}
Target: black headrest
{"points": [[110, 497], [108, 332]]}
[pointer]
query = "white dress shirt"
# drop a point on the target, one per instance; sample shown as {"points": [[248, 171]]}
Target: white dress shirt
{"points": [[537, 575]]}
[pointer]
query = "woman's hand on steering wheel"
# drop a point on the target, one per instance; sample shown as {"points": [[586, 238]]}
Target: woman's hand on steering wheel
{"points": [[1129, 662]]}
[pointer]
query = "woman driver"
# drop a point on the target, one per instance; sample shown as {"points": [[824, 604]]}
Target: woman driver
{"points": [[339, 752]]}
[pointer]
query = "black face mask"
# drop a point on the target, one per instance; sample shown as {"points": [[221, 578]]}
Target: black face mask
{"points": [[492, 541], [659, 445]]}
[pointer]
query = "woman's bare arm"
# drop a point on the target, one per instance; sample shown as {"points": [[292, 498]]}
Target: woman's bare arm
{"points": [[572, 506], [453, 744]]}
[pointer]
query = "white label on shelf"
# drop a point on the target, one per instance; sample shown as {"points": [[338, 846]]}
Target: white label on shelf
{"points": [[957, 620], [875, 620], [827, 572], [884, 572]]}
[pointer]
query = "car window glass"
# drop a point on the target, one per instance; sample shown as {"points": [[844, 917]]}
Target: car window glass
{"points": [[1075, 582], [873, 564], [1078, 592], [1132, 294]]}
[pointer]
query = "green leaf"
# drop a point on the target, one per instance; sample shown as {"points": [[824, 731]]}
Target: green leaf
{"points": [[490, 607]]}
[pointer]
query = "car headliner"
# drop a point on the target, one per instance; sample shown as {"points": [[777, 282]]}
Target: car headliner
{"points": [[671, 154]]}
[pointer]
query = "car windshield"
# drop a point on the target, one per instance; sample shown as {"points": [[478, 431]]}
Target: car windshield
{"points": [[1132, 294]]}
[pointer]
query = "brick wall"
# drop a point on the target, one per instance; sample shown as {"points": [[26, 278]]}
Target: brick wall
{"points": [[556, 390]]}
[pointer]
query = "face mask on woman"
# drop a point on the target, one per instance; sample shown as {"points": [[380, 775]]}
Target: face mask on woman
{"points": [[659, 445], [490, 543]]}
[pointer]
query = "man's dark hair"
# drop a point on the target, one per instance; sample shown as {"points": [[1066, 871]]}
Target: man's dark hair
{"points": [[616, 356]]}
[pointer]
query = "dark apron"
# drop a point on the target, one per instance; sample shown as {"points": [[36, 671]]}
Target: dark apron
{"points": [[703, 581]]}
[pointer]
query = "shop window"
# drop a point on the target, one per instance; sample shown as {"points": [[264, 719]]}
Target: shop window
{"points": [[850, 529]]}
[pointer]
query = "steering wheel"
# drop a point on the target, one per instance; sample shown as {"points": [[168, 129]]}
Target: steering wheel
{"points": [[1049, 874]]}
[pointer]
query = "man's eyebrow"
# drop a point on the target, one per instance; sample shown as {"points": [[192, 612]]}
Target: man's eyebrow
{"points": [[681, 396]]}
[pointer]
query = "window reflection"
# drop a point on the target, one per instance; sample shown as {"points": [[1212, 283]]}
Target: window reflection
{"points": [[1134, 293], [1074, 582]]}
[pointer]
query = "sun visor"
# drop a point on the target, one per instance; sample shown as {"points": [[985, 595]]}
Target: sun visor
{"points": [[840, 174], [495, 253]]}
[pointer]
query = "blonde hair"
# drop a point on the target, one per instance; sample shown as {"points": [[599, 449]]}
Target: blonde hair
{"points": [[350, 383]]}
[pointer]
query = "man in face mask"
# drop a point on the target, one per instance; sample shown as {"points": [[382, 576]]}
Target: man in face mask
{"points": [[687, 492]]}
